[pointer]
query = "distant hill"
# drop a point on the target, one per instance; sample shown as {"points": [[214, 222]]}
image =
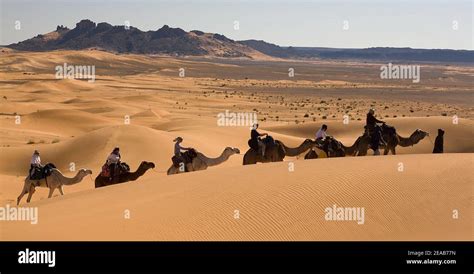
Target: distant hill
{"points": [[379, 53], [177, 42]]}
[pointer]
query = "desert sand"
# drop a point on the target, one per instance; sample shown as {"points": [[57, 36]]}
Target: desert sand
{"points": [[77, 122]]}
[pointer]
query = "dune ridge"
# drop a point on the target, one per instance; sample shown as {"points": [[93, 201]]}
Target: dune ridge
{"points": [[284, 206]]}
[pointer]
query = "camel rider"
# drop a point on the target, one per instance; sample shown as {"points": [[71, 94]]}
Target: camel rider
{"points": [[256, 141], [321, 134], [371, 121], [35, 163], [178, 150], [374, 131], [113, 161]]}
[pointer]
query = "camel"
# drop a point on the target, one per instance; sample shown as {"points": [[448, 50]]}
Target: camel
{"points": [[277, 152], [55, 180], [332, 148], [202, 162], [352, 150], [392, 141], [101, 181], [312, 154]]}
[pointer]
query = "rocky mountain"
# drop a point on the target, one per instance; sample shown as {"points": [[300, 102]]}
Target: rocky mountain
{"points": [[166, 40], [177, 42]]}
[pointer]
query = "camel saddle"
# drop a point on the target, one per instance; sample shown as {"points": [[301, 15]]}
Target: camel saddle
{"points": [[388, 130], [384, 130], [105, 170], [268, 141], [40, 173], [186, 158], [123, 168]]}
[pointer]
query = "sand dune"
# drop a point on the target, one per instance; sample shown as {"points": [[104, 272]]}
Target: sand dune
{"points": [[91, 149], [77, 122], [63, 121], [415, 204]]}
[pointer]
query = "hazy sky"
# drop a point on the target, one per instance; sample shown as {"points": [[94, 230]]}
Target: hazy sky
{"points": [[371, 23]]}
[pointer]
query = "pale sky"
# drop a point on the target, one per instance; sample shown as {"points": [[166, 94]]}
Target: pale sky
{"points": [[318, 23]]}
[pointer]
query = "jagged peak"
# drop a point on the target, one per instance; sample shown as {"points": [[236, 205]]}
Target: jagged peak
{"points": [[85, 24], [61, 28]]}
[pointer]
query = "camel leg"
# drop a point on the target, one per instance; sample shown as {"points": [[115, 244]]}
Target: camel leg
{"points": [[98, 182], [362, 151], [23, 192], [249, 159], [20, 196], [172, 170], [51, 190], [190, 167], [31, 191], [61, 190]]}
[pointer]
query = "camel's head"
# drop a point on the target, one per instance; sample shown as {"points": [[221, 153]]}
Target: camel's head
{"points": [[309, 142], [418, 135], [84, 172], [147, 165], [232, 150]]}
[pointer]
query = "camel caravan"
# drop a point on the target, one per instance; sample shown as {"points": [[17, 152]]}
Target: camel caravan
{"points": [[262, 149], [50, 177]]}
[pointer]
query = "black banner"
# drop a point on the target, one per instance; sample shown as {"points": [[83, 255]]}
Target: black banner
{"points": [[135, 257]]}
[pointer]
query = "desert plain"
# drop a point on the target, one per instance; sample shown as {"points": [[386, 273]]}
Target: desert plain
{"points": [[141, 103]]}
